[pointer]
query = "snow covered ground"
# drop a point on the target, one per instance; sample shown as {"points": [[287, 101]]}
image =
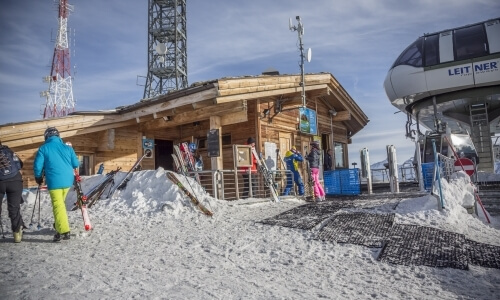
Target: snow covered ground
{"points": [[142, 248]]}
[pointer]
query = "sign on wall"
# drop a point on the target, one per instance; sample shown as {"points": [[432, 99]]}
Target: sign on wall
{"points": [[307, 121], [213, 147], [148, 146], [242, 156], [270, 155]]}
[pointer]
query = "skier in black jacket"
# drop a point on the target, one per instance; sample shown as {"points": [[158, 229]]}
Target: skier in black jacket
{"points": [[11, 183], [314, 158]]}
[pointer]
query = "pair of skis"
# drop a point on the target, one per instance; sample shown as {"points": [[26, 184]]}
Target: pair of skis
{"points": [[309, 195], [184, 160], [309, 188], [81, 201], [183, 165], [123, 183], [96, 192], [268, 176], [191, 197]]}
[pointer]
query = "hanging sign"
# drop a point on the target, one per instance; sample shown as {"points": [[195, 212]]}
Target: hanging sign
{"points": [[307, 121]]}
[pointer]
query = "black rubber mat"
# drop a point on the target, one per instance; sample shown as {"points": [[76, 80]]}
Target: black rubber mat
{"points": [[358, 228], [401, 244], [483, 255], [419, 245], [305, 216]]}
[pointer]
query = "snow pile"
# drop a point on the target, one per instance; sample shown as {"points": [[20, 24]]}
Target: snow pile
{"points": [[146, 193], [458, 195]]}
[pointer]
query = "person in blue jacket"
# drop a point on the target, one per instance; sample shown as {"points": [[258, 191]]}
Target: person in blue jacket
{"points": [[292, 159], [57, 161]]}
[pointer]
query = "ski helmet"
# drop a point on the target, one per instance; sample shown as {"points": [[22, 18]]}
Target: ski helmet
{"points": [[192, 147], [51, 131]]}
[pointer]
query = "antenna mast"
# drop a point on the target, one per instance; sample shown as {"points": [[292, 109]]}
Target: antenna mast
{"points": [[167, 50], [59, 96], [300, 30]]}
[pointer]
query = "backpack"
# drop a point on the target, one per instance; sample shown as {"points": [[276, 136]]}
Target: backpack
{"points": [[10, 164]]}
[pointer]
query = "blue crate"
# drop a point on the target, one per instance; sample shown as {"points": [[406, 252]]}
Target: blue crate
{"points": [[349, 182], [331, 180], [342, 182], [428, 174]]}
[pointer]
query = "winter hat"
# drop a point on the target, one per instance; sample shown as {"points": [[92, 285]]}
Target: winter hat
{"points": [[250, 140], [315, 144]]}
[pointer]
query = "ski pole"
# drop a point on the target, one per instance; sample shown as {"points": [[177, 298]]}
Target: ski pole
{"points": [[39, 226], [34, 206], [1, 223]]}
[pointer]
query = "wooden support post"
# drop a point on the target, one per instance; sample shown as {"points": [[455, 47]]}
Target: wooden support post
{"points": [[217, 162]]}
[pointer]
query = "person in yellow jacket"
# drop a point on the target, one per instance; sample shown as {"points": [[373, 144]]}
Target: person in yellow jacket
{"points": [[292, 159]]}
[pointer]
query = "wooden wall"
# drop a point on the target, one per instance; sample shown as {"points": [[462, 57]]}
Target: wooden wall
{"points": [[121, 147]]}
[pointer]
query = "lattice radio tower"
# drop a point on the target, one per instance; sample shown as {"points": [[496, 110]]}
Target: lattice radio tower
{"points": [[167, 53], [60, 93]]}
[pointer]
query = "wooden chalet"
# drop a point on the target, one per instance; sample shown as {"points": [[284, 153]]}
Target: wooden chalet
{"points": [[265, 107]]}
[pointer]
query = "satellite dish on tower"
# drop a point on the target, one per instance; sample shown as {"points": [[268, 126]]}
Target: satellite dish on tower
{"points": [[309, 55], [161, 59], [161, 48]]}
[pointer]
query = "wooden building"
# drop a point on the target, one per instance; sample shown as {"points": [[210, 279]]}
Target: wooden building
{"points": [[265, 107]]}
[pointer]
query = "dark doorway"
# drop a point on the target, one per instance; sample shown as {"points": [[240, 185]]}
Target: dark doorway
{"points": [[163, 154]]}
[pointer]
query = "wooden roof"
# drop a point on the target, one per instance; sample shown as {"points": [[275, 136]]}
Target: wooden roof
{"points": [[225, 97]]}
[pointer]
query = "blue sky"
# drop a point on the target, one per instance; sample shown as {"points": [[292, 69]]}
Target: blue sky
{"points": [[355, 40]]}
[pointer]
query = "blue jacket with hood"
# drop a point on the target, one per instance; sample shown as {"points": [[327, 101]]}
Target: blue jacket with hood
{"points": [[57, 160]]}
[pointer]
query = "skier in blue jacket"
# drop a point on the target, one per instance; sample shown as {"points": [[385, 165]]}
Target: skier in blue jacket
{"points": [[292, 159], [57, 160]]}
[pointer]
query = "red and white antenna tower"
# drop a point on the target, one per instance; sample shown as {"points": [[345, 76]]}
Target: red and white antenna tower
{"points": [[60, 93]]}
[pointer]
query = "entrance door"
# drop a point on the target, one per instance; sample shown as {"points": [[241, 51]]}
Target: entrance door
{"points": [[285, 145], [163, 154]]}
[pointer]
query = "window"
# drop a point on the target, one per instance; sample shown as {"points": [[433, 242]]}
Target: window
{"points": [[86, 164], [470, 42], [339, 155], [432, 50], [412, 56]]}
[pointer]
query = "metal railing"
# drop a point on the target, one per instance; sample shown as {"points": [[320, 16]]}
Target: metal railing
{"points": [[229, 184]]}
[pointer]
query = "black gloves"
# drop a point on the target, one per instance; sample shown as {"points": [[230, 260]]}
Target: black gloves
{"points": [[39, 180]]}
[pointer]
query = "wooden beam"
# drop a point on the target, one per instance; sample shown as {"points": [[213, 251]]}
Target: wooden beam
{"points": [[344, 115], [174, 103], [234, 118], [247, 85], [37, 128], [271, 93], [197, 115], [68, 133]]}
